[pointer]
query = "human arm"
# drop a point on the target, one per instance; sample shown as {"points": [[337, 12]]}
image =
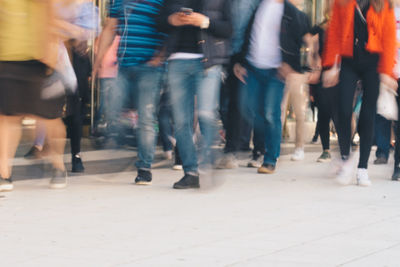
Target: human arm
{"points": [[105, 40]]}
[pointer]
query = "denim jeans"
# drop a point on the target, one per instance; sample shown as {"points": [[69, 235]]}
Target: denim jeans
{"points": [[145, 82], [187, 79], [383, 130], [265, 93], [107, 91]]}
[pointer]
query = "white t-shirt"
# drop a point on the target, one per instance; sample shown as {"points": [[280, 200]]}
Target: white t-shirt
{"points": [[264, 51]]}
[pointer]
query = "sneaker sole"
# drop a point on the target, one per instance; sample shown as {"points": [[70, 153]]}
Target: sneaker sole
{"points": [[295, 159], [57, 186], [187, 187], [251, 165], [142, 183], [364, 185], [177, 168], [6, 188], [324, 160], [265, 171]]}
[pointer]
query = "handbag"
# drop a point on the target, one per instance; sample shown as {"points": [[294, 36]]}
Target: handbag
{"points": [[386, 104]]}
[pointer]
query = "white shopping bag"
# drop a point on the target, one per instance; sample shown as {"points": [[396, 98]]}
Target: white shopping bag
{"points": [[387, 104]]}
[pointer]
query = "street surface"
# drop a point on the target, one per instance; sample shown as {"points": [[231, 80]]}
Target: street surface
{"points": [[296, 217]]}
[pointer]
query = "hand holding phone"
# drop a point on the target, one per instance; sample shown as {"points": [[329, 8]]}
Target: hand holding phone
{"points": [[186, 10]]}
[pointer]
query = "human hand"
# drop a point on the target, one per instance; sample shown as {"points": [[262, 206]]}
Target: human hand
{"points": [[388, 81], [330, 77], [240, 72], [177, 19], [284, 71], [195, 19]]}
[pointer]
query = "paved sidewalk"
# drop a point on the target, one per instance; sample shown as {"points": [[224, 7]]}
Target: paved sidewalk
{"points": [[296, 217]]}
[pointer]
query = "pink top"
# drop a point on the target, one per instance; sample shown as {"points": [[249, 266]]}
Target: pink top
{"points": [[109, 66]]}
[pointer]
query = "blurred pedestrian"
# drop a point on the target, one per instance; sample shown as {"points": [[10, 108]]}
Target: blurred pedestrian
{"points": [[33, 74], [141, 70], [323, 97], [354, 41], [197, 47], [238, 129], [271, 52]]}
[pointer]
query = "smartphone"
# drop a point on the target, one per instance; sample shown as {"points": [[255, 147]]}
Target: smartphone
{"points": [[186, 11]]}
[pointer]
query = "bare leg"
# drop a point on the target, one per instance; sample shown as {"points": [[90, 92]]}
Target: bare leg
{"points": [[56, 135], [10, 135]]}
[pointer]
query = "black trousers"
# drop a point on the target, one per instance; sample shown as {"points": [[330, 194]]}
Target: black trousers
{"points": [[350, 73], [74, 123], [237, 128], [397, 146], [324, 98]]}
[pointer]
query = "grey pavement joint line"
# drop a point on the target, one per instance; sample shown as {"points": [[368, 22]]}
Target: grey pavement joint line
{"points": [[318, 239], [369, 254], [258, 256]]}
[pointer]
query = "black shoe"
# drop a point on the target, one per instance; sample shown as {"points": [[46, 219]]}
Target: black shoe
{"points": [[33, 153], [188, 181], [77, 165], [396, 174], [143, 178], [314, 140], [380, 160]]}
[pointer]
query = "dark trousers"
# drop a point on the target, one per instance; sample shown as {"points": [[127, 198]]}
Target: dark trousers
{"points": [[397, 146], [74, 121], [238, 129], [165, 121], [350, 73], [383, 130], [323, 98]]}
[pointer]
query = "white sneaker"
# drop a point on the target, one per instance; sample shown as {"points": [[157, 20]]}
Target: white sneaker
{"points": [[298, 154], [346, 171], [177, 167], [362, 177], [256, 161], [227, 161]]}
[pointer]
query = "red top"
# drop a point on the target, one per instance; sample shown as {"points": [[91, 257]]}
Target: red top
{"points": [[381, 35]]}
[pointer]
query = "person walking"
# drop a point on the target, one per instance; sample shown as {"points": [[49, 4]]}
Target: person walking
{"points": [[361, 37], [237, 127], [270, 53], [141, 70], [197, 47]]}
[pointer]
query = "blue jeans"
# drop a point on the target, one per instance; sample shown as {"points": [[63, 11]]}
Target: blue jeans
{"points": [[187, 79], [265, 93], [247, 104], [383, 128], [144, 82], [107, 92]]}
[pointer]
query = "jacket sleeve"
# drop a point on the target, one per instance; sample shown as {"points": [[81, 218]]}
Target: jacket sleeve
{"points": [[222, 28], [389, 43], [169, 7], [241, 56], [332, 39]]}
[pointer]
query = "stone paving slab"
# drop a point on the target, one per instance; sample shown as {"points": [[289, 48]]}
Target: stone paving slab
{"points": [[298, 216]]}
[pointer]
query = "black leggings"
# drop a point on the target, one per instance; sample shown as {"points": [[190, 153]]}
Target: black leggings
{"points": [[397, 145], [74, 123], [322, 101], [350, 73]]}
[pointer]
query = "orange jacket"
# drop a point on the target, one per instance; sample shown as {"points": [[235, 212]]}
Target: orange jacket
{"points": [[381, 35]]}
